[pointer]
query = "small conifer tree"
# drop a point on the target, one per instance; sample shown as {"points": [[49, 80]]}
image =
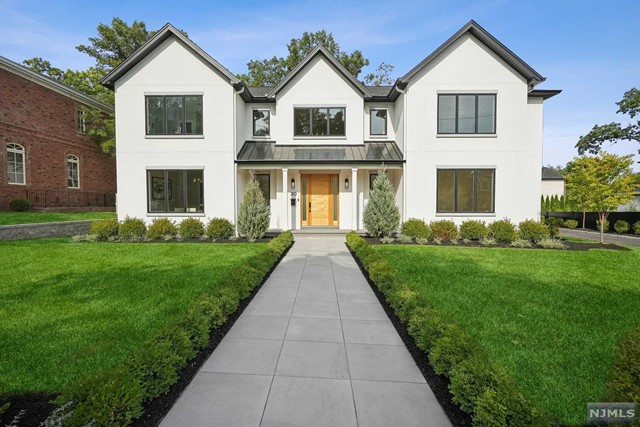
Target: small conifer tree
{"points": [[254, 213], [381, 216]]}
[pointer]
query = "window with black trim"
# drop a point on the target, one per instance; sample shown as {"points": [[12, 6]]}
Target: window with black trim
{"points": [[466, 191], [372, 179], [73, 171], [175, 191], [378, 121], [261, 122], [264, 182], [329, 121], [174, 115], [467, 113]]}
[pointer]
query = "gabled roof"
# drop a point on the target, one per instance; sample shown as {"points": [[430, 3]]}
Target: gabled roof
{"points": [[551, 175], [49, 83], [473, 28], [543, 93], [320, 50], [163, 34]]}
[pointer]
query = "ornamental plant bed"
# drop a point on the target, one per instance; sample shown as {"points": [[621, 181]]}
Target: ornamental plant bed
{"points": [[569, 245]]}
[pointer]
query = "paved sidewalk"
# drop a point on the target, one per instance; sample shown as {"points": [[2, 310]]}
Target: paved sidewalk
{"points": [[313, 348], [595, 236]]}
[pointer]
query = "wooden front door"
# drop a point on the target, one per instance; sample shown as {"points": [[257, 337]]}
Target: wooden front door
{"points": [[320, 200]]}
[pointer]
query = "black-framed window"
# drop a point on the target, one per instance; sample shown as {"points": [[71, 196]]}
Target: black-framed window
{"points": [[467, 113], [174, 115], [264, 182], [261, 122], [378, 121], [325, 121], [372, 179], [466, 191], [175, 191]]}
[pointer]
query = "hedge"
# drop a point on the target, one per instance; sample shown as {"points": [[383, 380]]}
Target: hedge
{"points": [[624, 383], [477, 385], [114, 397]]}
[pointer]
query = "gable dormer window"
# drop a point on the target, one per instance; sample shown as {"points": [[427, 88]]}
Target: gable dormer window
{"points": [[261, 122], [467, 113], [174, 115], [378, 121], [324, 121]]}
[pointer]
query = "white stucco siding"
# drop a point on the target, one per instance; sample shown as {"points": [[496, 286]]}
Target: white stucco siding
{"points": [[173, 69], [319, 84], [514, 151]]}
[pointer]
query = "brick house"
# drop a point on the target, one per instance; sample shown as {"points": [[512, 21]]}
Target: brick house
{"points": [[45, 154]]}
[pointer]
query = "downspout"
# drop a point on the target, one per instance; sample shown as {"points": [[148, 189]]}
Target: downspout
{"points": [[235, 164], [404, 151]]}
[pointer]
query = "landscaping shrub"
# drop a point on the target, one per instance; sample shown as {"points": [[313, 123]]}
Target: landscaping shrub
{"points": [[571, 223], [415, 228], [191, 228], [551, 243], [473, 230], [219, 228], [606, 225], [636, 227], [453, 347], [161, 228], [19, 205], [381, 215], [104, 228], [503, 231], [132, 228], [422, 240], [403, 238], [386, 240], [532, 230], [554, 225], [521, 243], [624, 383], [254, 214], [444, 229], [488, 241], [621, 226]]}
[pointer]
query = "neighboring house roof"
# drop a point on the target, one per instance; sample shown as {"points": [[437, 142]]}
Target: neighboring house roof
{"points": [[163, 34], [551, 175], [320, 50], [473, 28], [49, 83], [269, 152]]}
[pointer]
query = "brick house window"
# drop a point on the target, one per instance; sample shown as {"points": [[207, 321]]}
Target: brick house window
{"points": [[15, 164], [73, 172], [82, 121]]}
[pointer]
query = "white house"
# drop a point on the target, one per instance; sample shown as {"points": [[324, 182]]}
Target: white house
{"points": [[460, 135], [552, 183]]}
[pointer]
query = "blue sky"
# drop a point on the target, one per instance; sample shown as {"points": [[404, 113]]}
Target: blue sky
{"points": [[587, 48]]}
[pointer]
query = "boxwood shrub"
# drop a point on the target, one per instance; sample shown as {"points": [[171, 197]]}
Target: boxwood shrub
{"points": [[621, 226], [219, 228], [415, 228], [19, 205], [444, 229], [532, 230], [191, 228], [132, 228], [115, 396], [571, 223], [624, 383], [162, 227], [503, 231], [103, 229], [473, 230], [480, 388], [636, 227], [606, 225]]}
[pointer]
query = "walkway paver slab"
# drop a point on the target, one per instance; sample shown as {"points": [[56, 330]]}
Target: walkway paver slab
{"points": [[313, 359], [383, 363], [313, 329], [360, 297], [244, 356], [260, 327], [317, 309], [359, 311], [270, 306], [370, 332]]}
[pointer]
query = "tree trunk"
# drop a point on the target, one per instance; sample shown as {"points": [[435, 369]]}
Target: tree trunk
{"points": [[603, 217], [584, 216]]}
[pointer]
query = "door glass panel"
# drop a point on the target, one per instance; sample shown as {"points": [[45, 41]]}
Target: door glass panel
{"points": [[446, 182], [466, 114], [304, 197], [335, 196]]}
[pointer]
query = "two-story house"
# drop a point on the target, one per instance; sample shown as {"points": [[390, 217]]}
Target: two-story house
{"points": [[460, 135], [46, 155]]}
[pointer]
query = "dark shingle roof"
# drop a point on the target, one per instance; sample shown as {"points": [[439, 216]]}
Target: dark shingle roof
{"points": [[550, 174], [369, 152], [259, 91], [380, 90]]}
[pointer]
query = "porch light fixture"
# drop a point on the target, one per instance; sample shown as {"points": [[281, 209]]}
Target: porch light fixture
{"points": [[293, 183], [346, 183]]}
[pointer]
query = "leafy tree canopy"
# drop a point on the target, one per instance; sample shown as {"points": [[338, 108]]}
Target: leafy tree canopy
{"points": [[268, 72], [614, 132]]}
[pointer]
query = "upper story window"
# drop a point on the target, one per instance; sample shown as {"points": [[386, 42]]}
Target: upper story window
{"points": [[81, 123], [261, 122], [325, 121], [467, 114], [378, 121], [15, 164], [465, 191], [73, 171], [174, 115]]}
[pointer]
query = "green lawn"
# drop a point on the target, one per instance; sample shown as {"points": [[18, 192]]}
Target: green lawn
{"points": [[70, 309], [552, 319], [9, 218]]}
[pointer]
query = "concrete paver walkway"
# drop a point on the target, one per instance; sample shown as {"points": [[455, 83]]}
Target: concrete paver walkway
{"points": [[313, 348]]}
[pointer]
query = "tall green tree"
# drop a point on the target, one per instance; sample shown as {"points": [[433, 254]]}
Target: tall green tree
{"points": [[268, 72], [254, 213], [381, 215], [614, 132], [600, 184]]}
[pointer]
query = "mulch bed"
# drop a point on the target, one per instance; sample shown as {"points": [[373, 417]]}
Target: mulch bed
{"points": [[33, 409], [439, 384], [571, 246]]}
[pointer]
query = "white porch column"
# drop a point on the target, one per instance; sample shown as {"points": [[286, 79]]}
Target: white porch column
{"points": [[285, 190], [354, 199]]}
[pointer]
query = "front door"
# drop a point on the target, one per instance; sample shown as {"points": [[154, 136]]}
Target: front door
{"points": [[320, 200]]}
